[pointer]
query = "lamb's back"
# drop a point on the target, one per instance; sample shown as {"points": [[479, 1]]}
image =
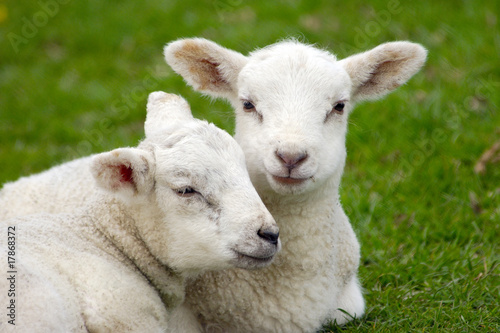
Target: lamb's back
{"points": [[60, 189]]}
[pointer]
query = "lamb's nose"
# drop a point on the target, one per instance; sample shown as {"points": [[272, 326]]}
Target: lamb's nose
{"points": [[291, 161], [269, 235]]}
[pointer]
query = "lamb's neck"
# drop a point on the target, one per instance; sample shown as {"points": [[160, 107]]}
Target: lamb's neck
{"points": [[322, 199], [117, 221], [309, 217]]}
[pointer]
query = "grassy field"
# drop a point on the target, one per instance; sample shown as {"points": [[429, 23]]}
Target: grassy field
{"points": [[74, 78]]}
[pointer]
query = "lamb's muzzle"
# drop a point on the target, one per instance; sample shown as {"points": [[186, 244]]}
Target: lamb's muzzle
{"points": [[291, 160], [260, 249]]}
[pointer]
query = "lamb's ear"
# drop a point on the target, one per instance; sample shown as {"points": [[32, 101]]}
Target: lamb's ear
{"points": [[381, 70], [205, 65], [164, 111], [124, 171]]}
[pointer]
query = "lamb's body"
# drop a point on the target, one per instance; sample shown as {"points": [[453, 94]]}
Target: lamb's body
{"points": [[71, 278], [60, 189]]}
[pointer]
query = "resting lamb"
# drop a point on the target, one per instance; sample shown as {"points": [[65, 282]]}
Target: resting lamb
{"points": [[292, 103], [178, 204]]}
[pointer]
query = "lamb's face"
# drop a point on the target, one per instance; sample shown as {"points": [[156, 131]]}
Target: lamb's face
{"points": [[292, 100], [291, 117], [188, 185], [214, 218]]}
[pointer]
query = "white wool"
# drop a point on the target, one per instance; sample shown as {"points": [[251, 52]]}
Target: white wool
{"points": [[285, 97], [119, 262]]}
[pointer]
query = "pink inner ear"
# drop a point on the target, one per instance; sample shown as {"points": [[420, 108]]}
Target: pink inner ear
{"points": [[126, 173]]}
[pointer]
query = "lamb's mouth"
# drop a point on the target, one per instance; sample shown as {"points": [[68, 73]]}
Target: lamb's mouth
{"points": [[248, 261], [290, 180]]}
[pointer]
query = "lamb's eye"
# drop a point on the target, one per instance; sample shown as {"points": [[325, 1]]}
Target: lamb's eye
{"points": [[248, 106], [339, 107], [185, 192]]}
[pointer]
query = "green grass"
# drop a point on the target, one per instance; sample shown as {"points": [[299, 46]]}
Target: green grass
{"points": [[429, 226]]}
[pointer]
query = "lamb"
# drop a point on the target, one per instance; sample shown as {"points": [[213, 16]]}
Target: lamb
{"points": [[292, 102], [178, 204]]}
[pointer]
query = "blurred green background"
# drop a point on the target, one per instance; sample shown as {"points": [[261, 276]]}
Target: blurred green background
{"points": [[74, 78]]}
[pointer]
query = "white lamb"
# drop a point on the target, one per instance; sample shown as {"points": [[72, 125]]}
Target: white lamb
{"points": [[292, 102], [178, 204]]}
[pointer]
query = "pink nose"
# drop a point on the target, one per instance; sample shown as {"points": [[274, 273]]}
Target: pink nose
{"points": [[291, 161]]}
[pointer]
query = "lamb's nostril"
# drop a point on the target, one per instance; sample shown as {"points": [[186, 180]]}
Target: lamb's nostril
{"points": [[268, 235], [291, 160]]}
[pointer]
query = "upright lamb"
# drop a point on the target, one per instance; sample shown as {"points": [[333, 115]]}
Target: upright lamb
{"points": [[178, 204], [292, 102]]}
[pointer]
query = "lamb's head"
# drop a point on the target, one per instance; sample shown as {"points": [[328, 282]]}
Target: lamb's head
{"points": [[188, 179], [292, 101]]}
